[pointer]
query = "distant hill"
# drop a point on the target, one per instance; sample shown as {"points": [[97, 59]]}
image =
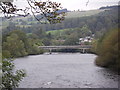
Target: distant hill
{"points": [[69, 14], [94, 19], [77, 14], [110, 7], [63, 10], [30, 20], [77, 23], [74, 14]]}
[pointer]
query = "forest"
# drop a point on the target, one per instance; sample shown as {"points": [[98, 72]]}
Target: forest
{"points": [[24, 39], [97, 23]]}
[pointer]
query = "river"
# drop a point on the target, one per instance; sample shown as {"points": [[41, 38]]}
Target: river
{"points": [[65, 70]]}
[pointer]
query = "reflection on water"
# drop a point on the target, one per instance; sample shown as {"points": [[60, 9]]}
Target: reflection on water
{"points": [[65, 70]]}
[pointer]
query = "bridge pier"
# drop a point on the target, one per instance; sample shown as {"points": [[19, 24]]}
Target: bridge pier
{"points": [[83, 51], [50, 50]]}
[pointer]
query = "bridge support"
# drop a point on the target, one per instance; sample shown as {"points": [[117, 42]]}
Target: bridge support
{"points": [[50, 50], [83, 51]]}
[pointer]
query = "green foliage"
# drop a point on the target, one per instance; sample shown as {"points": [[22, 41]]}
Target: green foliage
{"points": [[14, 45], [94, 46], [10, 79], [71, 40], [85, 31], [69, 36], [40, 33], [97, 23], [33, 46], [76, 14], [108, 51], [6, 54], [46, 41], [17, 44]]}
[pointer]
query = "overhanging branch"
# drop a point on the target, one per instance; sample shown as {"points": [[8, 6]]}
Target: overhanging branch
{"points": [[48, 11]]}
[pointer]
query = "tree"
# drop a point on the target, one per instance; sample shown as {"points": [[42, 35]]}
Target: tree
{"points": [[17, 43], [49, 35], [14, 45], [10, 79], [71, 40], [49, 11], [40, 33], [33, 46], [46, 41], [108, 51], [85, 31]]}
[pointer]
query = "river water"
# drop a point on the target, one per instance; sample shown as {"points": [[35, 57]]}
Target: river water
{"points": [[65, 70]]}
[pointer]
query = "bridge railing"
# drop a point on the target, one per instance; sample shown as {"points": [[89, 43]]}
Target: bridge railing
{"points": [[74, 46]]}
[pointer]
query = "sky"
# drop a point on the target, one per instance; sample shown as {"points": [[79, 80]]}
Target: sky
{"points": [[76, 4]]}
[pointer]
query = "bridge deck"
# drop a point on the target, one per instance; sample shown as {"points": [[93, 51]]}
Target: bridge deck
{"points": [[67, 47]]}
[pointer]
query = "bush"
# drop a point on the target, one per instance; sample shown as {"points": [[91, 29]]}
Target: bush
{"points": [[10, 79], [107, 50]]}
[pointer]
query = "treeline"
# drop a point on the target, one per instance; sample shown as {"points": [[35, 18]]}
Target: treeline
{"points": [[17, 44], [70, 36], [98, 24], [108, 51], [64, 37], [109, 7]]}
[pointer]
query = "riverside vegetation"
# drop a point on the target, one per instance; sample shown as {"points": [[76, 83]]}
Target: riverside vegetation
{"points": [[108, 51], [22, 38]]}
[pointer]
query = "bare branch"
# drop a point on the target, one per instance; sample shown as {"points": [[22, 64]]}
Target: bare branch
{"points": [[87, 2], [48, 11]]}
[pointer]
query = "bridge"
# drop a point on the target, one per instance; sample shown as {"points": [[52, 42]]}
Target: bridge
{"points": [[81, 47]]}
